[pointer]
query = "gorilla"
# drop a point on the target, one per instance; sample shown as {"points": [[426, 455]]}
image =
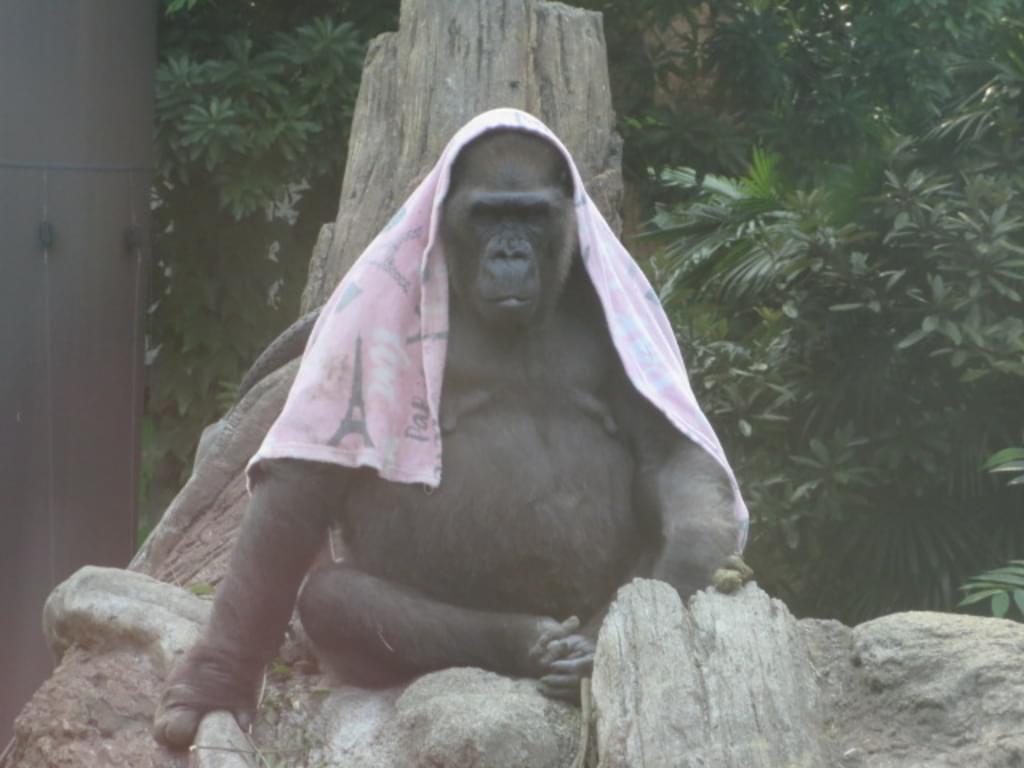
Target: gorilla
{"points": [[561, 483]]}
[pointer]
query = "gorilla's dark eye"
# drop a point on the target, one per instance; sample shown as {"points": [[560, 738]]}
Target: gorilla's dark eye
{"points": [[485, 218], [512, 207]]}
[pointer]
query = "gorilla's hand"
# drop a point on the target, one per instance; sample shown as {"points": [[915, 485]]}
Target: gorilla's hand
{"points": [[562, 658], [733, 575], [205, 680]]}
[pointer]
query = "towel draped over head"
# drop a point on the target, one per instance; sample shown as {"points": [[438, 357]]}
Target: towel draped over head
{"points": [[368, 390]]}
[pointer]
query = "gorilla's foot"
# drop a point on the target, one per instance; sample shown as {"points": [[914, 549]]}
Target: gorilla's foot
{"points": [[204, 681], [180, 712], [175, 724]]}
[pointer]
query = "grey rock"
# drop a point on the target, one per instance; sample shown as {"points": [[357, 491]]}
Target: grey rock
{"points": [[468, 718], [725, 681], [316, 275], [209, 437], [108, 608], [355, 728], [220, 743], [459, 718], [935, 691], [95, 711]]}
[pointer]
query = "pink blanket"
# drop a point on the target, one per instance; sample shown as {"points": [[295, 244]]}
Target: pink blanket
{"points": [[368, 389]]}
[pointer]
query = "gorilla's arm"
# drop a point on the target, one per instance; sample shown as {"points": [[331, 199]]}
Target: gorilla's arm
{"points": [[691, 497], [685, 504], [683, 497], [282, 531]]}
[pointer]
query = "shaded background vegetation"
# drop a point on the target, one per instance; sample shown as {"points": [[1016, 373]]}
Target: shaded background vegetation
{"points": [[832, 196], [253, 106]]}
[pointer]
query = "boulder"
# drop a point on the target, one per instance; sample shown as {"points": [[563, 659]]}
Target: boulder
{"points": [[101, 609], [724, 681], [936, 690]]}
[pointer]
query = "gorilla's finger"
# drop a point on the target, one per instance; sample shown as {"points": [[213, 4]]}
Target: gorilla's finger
{"points": [[542, 644], [561, 687], [556, 649], [580, 666], [540, 649], [572, 647], [578, 645], [561, 630], [548, 645], [567, 648]]}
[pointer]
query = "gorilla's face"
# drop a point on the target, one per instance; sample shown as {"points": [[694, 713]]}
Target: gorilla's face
{"points": [[509, 228]]}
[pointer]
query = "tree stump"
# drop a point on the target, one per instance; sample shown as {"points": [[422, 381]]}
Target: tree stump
{"points": [[447, 63], [726, 682]]}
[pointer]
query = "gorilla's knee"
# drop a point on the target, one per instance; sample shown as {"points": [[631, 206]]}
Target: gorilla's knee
{"points": [[318, 612], [328, 610]]}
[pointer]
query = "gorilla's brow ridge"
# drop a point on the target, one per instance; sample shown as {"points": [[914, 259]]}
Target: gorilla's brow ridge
{"points": [[532, 201]]}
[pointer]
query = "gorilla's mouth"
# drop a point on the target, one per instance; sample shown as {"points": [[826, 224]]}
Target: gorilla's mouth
{"points": [[514, 309], [512, 302]]}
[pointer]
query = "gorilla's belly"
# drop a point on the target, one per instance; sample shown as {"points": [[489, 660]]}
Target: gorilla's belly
{"points": [[533, 515]]}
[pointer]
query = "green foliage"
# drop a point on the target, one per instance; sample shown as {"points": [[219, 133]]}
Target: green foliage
{"points": [[201, 589], [1008, 460], [851, 305], [699, 83], [664, 84], [1006, 584], [250, 120], [1002, 587], [253, 105]]}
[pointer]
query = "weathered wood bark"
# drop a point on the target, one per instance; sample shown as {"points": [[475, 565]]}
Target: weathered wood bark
{"points": [[726, 683], [448, 62], [193, 538]]}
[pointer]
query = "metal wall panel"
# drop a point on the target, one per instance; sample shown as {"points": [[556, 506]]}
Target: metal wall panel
{"points": [[76, 95]]}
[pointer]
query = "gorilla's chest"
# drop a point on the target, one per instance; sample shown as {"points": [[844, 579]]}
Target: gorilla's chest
{"points": [[534, 509]]}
